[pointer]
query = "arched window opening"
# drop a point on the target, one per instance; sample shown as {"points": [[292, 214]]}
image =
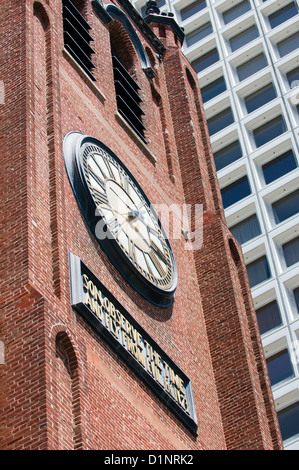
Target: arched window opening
{"points": [[76, 34], [191, 81], [68, 392], [124, 69], [234, 252]]}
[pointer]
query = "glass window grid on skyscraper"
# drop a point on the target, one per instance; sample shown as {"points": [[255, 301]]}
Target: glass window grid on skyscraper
{"points": [[246, 54]]}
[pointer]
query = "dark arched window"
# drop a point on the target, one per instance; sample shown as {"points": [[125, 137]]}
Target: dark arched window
{"points": [[127, 89], [76, 34], [67, 393], [128, 56]]}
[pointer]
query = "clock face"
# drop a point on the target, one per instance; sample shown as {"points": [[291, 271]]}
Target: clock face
{"points": [[128, 228]]}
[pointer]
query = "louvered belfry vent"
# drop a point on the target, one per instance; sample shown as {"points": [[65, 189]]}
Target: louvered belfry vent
{"points": [[76, 37], [127, 97]]}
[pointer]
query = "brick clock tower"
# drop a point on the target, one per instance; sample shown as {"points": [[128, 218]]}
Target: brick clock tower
{"points": [[126, 315]]}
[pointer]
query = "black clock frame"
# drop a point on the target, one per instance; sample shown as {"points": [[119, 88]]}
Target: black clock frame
{"points": [[72, 145]]}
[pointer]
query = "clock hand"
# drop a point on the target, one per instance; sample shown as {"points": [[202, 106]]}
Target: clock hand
{"points": [[130, 210], [121, 213], [163, 257], [151, 230]]}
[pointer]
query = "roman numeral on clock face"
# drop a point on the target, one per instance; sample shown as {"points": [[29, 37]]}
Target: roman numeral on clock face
{"points": [[131, 249], [114, 226], [96, 168], [157, 264], [124, 182], [110, 172], [101, 198], [162, 255], [102, 165], [96, 181]]}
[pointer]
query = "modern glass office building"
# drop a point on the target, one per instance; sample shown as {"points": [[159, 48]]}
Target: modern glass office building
{"points": [[246, 54]]}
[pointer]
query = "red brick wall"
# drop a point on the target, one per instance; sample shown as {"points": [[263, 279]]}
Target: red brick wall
{"points": [[59, 377], [225, 292]]}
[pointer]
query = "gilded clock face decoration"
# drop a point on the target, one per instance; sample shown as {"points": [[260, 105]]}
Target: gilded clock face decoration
{"points": [[121, 217]]}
